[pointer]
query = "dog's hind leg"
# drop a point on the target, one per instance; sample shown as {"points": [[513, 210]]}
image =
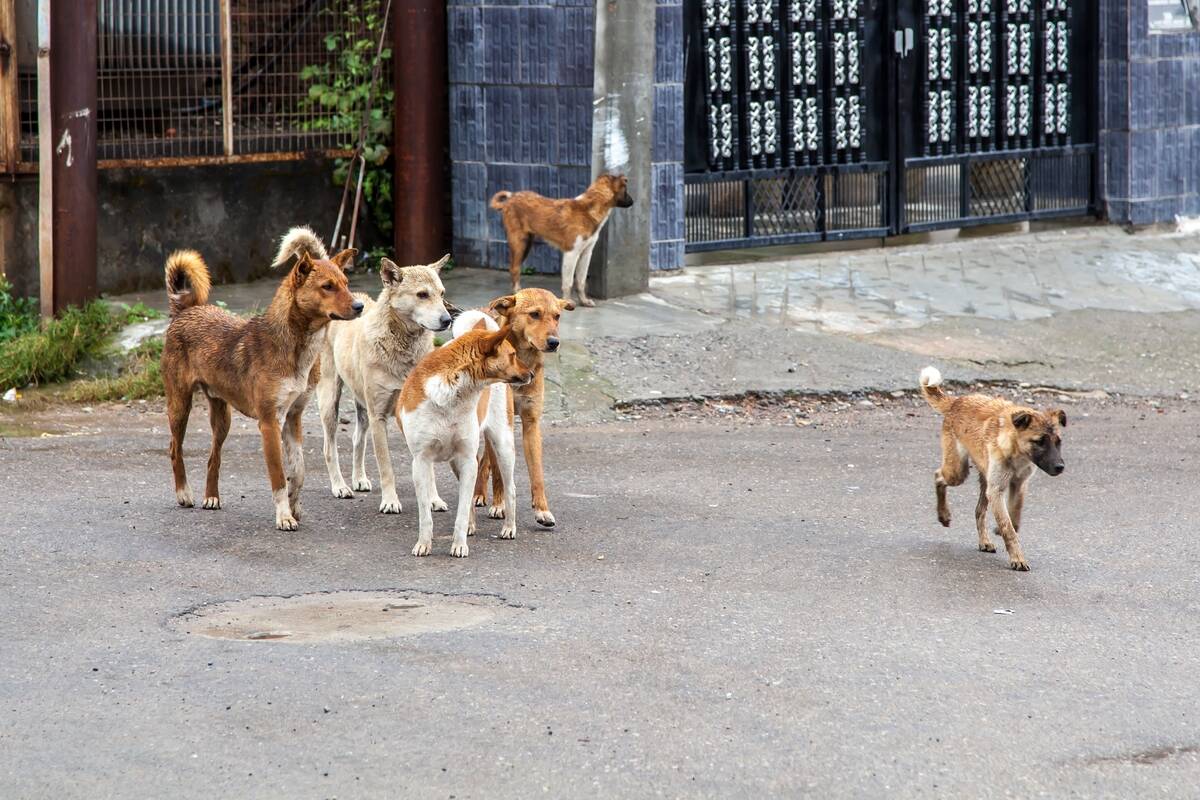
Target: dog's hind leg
{"points": [[981, 526], [293, 455], [179, 408], [481, 479], [422, 474], [502, 448], [358, 465], [519, 245], [219, 418], [952, 473], [435, 500], [329, 400], [464, 517]]}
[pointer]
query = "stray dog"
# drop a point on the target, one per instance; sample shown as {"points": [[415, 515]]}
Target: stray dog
{"points": [[570, 225], [439, 411], [262, 366], [372, 355], [1006, 442], [532, 316]]}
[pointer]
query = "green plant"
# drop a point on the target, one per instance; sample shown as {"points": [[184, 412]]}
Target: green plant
{"points": [[140, 378], [52, 352], [18, 315], [138, 312], [338, 92]]}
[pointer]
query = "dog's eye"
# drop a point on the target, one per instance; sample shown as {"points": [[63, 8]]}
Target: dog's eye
{"points": [[328, 286], [423, 295], [557, 317], [535, 315]]}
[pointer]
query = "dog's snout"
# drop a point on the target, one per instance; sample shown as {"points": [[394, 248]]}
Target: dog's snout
{"points": [[1058, 469], [446, 320], [357, 306], [552, 343]]}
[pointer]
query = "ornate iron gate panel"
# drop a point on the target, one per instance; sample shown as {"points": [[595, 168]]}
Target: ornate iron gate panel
{"points": [[831, 119], [792, 122], [997, 124]]}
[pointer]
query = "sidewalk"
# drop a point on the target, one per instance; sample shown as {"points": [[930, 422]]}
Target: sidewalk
{"points": [[1082, 308]]}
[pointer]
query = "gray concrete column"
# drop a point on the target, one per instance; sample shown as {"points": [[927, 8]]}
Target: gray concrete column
{"points": [[622, 136]]}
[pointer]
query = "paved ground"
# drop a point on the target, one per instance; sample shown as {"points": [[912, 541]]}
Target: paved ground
{"points": [[726, 609]]}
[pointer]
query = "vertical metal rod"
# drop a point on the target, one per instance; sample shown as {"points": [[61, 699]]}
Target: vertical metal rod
{"points": [[421, 132], [45, 165], [226, 77]]}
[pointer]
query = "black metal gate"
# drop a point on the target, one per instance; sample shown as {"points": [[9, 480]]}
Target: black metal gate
{"points": [[832, 119]]}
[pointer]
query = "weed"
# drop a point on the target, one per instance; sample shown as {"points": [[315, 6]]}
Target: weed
{"points": [[18, 315], [140, 378], [52, 352]]}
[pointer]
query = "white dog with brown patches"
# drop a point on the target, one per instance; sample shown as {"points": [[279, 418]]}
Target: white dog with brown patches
{"points": [[440, 410], [372, 356]]}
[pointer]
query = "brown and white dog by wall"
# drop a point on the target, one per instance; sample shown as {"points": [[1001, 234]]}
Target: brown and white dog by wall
{"points": [[262, 366], [1006, 442], [571, 225], [532, 317]]}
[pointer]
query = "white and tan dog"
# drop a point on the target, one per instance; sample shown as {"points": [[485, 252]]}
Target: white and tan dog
{"points": [[372, 356], [440, 410]]}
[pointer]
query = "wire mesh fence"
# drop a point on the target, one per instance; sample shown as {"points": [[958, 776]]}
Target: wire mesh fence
{"points": [[295, 73]]}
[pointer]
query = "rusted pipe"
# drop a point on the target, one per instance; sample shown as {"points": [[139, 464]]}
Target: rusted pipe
{"points": [[421, 131]]}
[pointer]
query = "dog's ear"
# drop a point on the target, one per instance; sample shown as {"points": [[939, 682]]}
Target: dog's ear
{"points": [[1062, 416], [494, 340], [443, 261], [303, 266], [502, 306], [566, 305], [389, 273], [480, 325], [345, 259], [1021, 419]]}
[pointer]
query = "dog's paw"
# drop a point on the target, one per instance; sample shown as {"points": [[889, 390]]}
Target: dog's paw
{"points": [[944, 519], [479, 501], [343, 492], [587, 302], [212, 503], [285, 522], [987, 547], [544, 518], [496, 511], [438, 504], [509, 531], [296, 511], [361, 484], [390, 506], [459, 550], [422, 548], [1018, 564], [184, 497]]}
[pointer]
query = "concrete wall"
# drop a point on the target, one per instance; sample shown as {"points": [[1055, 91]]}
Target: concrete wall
{"points": [[234, 215], [521, 118], [1149, 118]]}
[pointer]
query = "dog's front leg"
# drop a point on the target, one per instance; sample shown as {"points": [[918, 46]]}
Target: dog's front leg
{"points": [[569, 261], [981, 526], [268, 426], [293, 454], [531, 440], [464, 516], [581, 273], [501, 446], [389, 503], [359, 481], [1016, 502], [998, 483], [422, 470], [329, 396]]}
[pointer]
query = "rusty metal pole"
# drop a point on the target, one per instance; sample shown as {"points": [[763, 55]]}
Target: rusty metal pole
{"points": [[73, 134], [421, 131]]}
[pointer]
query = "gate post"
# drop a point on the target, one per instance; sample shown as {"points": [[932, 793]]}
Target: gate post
{"points": [[622, 136], [67, 121]]}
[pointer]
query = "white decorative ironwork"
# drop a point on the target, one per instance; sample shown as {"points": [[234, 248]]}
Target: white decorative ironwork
{"points": [[752, 63], [755, 128], [767, 53], [855, 123], [985, 112], [803, 10], [840, 123], [852, 57], [1064, 109], [770, 126], [726, 54], [839, 58]]}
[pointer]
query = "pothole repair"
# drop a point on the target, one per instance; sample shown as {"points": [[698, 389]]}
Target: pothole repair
{"points": [[347, 616]]}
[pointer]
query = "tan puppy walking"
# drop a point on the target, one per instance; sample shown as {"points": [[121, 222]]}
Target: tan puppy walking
{"points": [[1005, 441]]}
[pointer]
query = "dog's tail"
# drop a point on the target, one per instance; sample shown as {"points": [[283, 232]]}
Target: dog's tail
{"points": [[931, 389], [299, 240], [500, 199], [187, 281]]}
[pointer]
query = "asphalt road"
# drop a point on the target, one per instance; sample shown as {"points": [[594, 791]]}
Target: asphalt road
{"points": [[726, 609]]}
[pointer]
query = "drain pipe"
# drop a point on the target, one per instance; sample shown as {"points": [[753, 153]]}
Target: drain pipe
{"points": [[421, 137]]}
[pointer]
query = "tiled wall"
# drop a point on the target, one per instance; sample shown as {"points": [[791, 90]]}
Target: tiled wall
{"points": [[521, 118], [1149, 118]]}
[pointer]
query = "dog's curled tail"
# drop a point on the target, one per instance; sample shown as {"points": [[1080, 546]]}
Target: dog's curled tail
{"points": [[931, 389], [300, 240], [187, 281], [500, 199]]}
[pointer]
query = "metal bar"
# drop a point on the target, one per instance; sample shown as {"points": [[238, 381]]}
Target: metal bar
{"points": [[421, 132], [226, 78], [46, 165]]}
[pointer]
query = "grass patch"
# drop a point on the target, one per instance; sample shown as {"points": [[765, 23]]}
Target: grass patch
{"points": [[52, 352], [18, 315], [140, 378]]}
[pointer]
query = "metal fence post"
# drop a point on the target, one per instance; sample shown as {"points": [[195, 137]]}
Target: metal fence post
{"points": [[226, 78]]}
